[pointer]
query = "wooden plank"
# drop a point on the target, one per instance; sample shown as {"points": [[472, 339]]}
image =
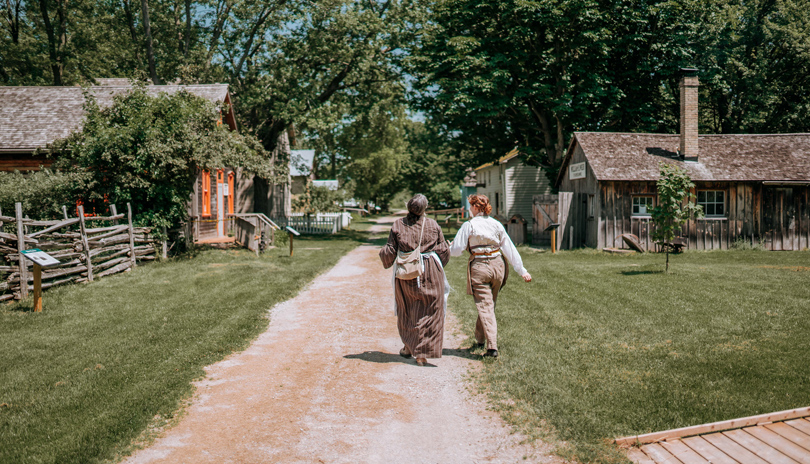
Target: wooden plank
{"points": [[86, 247], [708, 451], [756, 446], [638, 457], [104, 218], [776, 441], [802, 425], [716, 426], [796, 436], [659, 454], [733, 449], [130, 232], [20, 248], [58, 226], [684, 453], [26, 238]]}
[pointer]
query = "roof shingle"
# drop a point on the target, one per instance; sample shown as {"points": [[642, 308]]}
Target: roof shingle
{"points": [[727, 157], [32, 117]]}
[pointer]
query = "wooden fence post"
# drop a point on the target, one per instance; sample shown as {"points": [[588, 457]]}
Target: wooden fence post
{"points": [[85, 245], [114, 212], [64, 212], [165, 246], [20, 247], [131, 235]]}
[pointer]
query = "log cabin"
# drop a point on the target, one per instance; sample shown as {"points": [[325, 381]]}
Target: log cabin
{"points": [[33, 117], [753, 188]]}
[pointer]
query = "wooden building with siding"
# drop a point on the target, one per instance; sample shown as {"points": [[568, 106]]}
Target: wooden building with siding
{"points": [[752, 187], [510, 186], [33, 117]]}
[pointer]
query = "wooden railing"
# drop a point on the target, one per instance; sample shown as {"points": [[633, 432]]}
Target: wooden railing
{"points": [[85, 253]]}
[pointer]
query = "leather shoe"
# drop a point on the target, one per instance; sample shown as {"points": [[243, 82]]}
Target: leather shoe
{"points": [[491, 353], [405, 352], [421, 361]]}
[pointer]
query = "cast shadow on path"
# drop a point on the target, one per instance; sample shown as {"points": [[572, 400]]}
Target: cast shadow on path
{"points": [[383, 358]]}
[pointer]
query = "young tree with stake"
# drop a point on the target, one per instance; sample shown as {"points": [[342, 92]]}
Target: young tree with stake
{"points": [[675, 205]]}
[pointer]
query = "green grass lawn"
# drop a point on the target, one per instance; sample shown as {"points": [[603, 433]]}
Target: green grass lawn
{"points": [[89, 374], [601, 346]]}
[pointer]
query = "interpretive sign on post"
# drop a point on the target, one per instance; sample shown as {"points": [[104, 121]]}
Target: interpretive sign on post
{"points": [[40, 257], [292, 233], [40, 260]]}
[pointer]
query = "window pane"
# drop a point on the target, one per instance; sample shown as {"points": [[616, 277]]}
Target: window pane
{"points": [[710, 197], [720, 197], [649, 202], [719, 209], [710, 209], [635, 201], [701, 197], [635, 208]]}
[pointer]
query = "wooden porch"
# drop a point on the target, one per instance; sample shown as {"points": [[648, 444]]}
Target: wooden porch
{"points": [[777, 438]]}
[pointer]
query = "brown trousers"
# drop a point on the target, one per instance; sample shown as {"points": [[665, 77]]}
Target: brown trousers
{"points": [[486, 279]]}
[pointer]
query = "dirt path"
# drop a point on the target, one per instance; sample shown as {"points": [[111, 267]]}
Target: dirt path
{"points": [[324, 384]]}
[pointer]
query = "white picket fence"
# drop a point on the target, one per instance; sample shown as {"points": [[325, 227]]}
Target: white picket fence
{"points": [[320, 223]]}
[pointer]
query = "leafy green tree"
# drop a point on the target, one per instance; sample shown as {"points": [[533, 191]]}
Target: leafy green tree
{"points": [[527, 74], [675, 205], [148, 150], [321, 200]]}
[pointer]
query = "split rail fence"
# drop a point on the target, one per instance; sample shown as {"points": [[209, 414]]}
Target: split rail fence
{"points": [[87, 247]]}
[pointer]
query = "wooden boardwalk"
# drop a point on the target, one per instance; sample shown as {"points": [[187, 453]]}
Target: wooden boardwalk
{"points": [[777, 438]]}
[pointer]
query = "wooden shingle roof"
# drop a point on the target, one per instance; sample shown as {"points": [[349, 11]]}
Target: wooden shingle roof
{"points": [[32, 117], [727, 157]]}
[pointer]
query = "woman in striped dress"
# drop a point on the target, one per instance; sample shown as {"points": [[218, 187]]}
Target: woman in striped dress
{"points": [[420, 302]]}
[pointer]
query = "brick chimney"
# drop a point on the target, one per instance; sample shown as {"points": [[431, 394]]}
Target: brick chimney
{"points": [[689, 113]]}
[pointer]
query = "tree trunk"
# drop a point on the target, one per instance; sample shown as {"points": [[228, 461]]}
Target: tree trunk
{"points": [[53, 48], [667, 268], [188, 29], [132, 32], [150, 56]]}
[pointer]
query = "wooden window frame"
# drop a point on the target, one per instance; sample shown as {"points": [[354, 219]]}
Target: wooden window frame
{"points": [[705, 203], [591, 206], [633, 213], [230, 192], [206, 193]]}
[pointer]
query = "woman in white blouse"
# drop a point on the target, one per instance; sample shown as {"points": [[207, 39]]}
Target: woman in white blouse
{"points": [[488, 244]]}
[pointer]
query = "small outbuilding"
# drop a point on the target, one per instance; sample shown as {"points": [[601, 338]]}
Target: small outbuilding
{"points": [[510, 186], [752, 187]]}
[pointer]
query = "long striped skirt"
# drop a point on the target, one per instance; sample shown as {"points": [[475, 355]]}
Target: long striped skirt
{"points": [[420, 311]]}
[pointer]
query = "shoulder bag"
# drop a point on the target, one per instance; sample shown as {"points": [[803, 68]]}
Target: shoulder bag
{"points": [[409, 264]]}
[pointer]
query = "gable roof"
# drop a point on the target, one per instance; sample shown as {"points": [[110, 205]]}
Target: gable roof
{"points": [[32, 117], [724, 157], [512, 154]]}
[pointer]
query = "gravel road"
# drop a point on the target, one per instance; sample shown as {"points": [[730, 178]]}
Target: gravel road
{"points": [[325, 384]]}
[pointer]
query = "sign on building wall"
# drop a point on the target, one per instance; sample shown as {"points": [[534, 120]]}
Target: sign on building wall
{"points": [[576, 171]]}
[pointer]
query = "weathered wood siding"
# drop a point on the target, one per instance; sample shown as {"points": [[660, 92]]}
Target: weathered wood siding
{"points": [[776, 216], [23, 162], [580, 229], [491, 178], [522, 184]]}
